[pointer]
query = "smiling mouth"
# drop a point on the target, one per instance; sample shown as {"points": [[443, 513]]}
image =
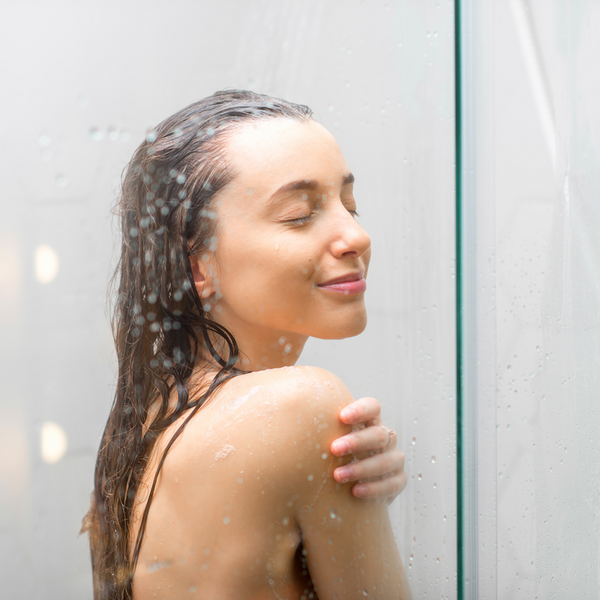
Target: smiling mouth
{"points": [[350, 277], [352, 283]]}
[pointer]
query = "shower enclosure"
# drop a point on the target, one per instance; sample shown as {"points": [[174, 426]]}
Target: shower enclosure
{"points": [[473, 130]]}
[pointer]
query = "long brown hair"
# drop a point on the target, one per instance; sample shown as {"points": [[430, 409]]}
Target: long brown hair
{"points": [[160, 324]]}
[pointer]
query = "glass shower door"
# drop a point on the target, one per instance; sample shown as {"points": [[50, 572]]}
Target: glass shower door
{"points": [[532, 260]]}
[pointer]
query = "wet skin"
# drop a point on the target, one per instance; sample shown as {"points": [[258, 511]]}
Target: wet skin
{"points": [[286, 234]]}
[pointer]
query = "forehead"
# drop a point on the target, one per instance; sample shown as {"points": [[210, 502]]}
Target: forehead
{"points": [[266, 154]]}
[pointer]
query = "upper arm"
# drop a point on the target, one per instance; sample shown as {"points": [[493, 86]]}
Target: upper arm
{"points": [[349, 542]]}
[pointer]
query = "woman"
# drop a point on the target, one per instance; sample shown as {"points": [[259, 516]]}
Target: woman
{"points": [[214, 476]]}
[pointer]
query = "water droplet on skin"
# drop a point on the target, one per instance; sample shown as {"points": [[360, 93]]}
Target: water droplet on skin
{"points": [[285, 521], [310, 477], [240, 480], [95, 134], [323, 456], [287, 348], [332, 513], [226, 520]]}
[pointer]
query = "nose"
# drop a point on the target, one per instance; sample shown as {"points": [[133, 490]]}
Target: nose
{"points": [[348, 237]]}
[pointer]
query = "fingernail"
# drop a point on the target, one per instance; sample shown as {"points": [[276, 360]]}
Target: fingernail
{"points": [[341, 447], [343, 474], [360, 490], [348, 414]]}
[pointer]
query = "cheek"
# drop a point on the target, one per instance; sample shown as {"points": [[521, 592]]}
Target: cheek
{"points": [[273, 273]]}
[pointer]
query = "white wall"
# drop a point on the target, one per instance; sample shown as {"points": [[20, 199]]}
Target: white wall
{"points": [[81, 84]]}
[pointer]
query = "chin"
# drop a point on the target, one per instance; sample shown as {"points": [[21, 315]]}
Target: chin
{"points": [[344, 330]]}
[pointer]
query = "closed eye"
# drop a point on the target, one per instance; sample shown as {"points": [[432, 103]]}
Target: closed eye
{"points": [[301, 220]]}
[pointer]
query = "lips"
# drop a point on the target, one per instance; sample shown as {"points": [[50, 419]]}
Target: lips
{"points": [[344, 278], [351, 283]]}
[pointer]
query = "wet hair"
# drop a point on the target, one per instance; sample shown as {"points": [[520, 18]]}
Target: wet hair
{"points": [[160, 324]]}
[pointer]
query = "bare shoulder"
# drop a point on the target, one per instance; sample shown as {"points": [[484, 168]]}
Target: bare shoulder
{"points": [[293, 409], [280, 392], [285, 401]]}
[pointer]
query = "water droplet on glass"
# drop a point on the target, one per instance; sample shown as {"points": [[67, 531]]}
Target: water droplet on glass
{"points": [[125, 135], [433, 459], [44, 140], [113, 134], [95, 134]]}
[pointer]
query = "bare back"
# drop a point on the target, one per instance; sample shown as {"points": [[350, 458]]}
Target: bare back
{"points": [[250, 477]]}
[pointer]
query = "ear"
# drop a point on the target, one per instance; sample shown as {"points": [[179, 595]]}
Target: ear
{"points": [[201, 270]]}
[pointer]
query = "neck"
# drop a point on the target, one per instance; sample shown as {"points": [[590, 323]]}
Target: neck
{"points": [[263, 348]]}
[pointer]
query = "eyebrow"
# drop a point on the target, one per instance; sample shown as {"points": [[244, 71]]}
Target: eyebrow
{"points": [[308, 184]]}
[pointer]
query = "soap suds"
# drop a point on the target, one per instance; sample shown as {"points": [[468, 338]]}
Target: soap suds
{"points": [[224, 452]]}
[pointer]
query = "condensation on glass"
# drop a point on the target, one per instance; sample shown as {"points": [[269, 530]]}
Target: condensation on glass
{"points": [[537, 182], [86, 85]]}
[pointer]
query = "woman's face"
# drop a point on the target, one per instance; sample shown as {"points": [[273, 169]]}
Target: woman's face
{"points": [[285, 229]]}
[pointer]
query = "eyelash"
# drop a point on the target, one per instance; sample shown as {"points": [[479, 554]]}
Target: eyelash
{"points": [[307, 219]]}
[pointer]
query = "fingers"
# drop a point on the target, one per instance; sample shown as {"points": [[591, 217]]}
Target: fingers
{"points": [[382, 489], [375, 466], [370, 439], [361, 411]]}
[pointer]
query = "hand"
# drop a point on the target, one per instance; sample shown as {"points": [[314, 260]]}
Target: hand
{"points": [[381, 475]]}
